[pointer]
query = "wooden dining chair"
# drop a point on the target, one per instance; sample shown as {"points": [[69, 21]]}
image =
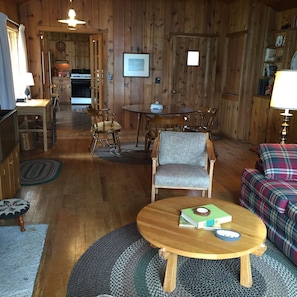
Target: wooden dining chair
{"points": [[104, 128], [157, 123], [55, 96], [201, 120]]}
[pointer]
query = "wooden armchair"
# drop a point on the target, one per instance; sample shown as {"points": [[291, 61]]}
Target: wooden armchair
{"points": [[104, 129], [182, 160]]}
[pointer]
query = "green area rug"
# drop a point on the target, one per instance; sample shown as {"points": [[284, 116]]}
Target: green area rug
{"points": [[39, 171], [20, 257], [122, 263]]}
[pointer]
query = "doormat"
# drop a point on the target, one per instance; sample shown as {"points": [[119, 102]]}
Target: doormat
{"points": [[39, 171]]}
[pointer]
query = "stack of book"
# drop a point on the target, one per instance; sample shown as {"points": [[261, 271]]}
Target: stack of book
{"points": [[214, 218]]}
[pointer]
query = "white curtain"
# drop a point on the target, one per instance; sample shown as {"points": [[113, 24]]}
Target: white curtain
{"points": [[22, 60], [7, 95]]}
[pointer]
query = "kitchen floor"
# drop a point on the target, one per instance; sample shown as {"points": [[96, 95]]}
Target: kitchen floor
{"points": [[72, 117]]}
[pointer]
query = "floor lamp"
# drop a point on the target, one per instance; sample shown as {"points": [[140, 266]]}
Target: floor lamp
{"points": [[284, 96]]}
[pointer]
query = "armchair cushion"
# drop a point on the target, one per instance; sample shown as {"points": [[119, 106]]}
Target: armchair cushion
{"points": [[183, 175], [184, 151], [279, 160]]}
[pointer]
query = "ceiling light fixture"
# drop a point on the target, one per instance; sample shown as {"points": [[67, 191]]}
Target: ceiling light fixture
{"points": [[72, 21]]}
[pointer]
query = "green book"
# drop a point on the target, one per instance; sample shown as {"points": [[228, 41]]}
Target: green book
{"points": [[215, 217], [184, 223]]}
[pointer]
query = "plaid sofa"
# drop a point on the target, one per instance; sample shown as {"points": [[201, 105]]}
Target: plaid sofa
{"points": [[271, 193]]}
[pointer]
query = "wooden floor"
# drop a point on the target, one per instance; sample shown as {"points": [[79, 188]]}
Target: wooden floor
{"points": [[92, 197]]}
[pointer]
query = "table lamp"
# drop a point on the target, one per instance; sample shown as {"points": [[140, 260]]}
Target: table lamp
{"points": [[29, 82], [284, 96]]}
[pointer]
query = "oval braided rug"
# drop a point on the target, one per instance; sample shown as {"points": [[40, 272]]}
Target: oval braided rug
{"points": [[39, 171], [123, 264]]}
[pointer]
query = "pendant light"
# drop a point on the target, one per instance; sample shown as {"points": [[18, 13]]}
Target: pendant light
{"points": [[72, 21]]}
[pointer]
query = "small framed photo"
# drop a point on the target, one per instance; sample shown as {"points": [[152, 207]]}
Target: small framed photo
{"points": [[136, 65]]}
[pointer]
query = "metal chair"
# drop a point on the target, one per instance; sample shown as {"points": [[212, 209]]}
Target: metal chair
{"points": [[182, 161], [104, 129]]}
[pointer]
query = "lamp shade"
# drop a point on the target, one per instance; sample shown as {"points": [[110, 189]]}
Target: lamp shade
{"points": [[72, 21], [284, 94], [29, 81]]}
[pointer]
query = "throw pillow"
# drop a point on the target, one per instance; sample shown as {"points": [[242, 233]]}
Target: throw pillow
{"points": [[279, 160]]}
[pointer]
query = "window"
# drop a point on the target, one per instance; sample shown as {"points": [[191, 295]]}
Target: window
{"points": [[193, 58], [13, 44]]}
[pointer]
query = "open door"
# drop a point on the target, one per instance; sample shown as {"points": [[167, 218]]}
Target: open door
{"points": [[46, 57], [96, 68]]}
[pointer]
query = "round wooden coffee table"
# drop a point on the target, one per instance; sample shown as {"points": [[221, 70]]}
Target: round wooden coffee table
{"points": [[158, 224]]}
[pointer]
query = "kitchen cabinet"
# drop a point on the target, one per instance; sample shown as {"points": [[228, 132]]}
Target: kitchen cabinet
{"points": [[63, 88], [266, 123]]}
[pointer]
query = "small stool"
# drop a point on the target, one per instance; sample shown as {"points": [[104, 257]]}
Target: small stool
{"points": [[12, 208]]}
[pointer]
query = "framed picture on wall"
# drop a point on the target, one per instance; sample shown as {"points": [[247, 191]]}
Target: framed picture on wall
{"points": [[136, 65]]}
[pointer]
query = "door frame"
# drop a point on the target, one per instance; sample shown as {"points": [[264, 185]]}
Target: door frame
{"points": [[44, 89]]}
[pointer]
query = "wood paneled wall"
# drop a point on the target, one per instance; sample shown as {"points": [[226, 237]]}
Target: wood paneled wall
{"points": [[10, 9], [138, 26], [151, 26]]}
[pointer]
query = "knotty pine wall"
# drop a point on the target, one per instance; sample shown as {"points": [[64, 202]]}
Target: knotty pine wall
{"points": [[10, 9], [138, 26], [153, 26]]}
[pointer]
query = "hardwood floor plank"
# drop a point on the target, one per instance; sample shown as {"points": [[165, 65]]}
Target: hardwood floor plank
{"points": [[92, 197]]}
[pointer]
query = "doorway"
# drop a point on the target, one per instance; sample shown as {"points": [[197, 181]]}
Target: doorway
{"points": [[64, 51]]}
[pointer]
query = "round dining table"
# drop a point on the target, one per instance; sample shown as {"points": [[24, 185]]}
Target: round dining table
{"points": [[141, 109]]}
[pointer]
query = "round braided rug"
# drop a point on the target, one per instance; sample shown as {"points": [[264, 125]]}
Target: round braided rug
{"points": [[39, 171], [123, 264]]}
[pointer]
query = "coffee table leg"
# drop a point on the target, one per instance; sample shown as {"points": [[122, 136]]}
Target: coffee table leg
{"points": [[170, 273], [246, 271]]}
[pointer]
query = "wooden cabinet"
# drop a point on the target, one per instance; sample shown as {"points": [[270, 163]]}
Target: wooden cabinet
{"points": [[229, 117], [266, 123], [63, 88], [259, 118], [10, 174]]}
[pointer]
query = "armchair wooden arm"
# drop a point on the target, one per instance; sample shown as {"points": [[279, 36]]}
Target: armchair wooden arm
{"points": [[156, 148], [210, 150], [211, 159]]}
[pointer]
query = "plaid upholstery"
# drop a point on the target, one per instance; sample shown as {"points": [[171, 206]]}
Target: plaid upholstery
{"points": [[275, 202], [277, 193], [279, 160]]}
